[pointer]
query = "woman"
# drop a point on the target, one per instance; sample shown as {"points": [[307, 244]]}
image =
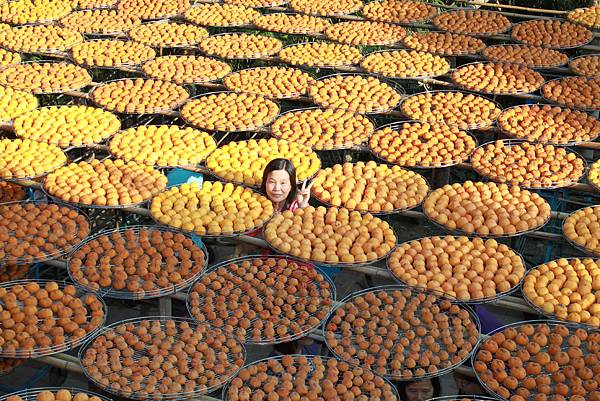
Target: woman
{"points": [[279, 184], [420, 390]]}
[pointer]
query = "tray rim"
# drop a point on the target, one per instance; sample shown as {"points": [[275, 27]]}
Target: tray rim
{"points": [[291, 259], [109, 293], [441, 296]]}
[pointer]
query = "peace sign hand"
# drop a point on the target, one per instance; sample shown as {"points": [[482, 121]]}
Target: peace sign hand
{"points": [[303, 195]]}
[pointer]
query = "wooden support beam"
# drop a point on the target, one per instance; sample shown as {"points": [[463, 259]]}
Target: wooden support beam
{"points": [[58, 362], [78, 94], [511, 7]]}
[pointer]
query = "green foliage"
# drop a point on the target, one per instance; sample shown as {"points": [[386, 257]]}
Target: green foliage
{"points": [[563, 5], [448, 3]]}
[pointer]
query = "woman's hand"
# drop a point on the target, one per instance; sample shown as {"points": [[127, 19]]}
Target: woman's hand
{"points": [[303, 195]]}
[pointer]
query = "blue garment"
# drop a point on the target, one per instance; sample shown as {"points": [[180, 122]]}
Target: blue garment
{"points": [[487, 319], [196, 239], [311, 349], [308, 350], [179, 176], [330, 271]]}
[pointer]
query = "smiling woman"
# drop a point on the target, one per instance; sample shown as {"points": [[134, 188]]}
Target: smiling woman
{"points": [[279, 184]]}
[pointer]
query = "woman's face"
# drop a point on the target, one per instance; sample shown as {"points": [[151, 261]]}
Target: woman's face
{"points": [[278, 185], [419, 391]]}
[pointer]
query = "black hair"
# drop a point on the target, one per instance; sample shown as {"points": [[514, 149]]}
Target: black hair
{"points": [[288, 166], [472, 380], [287, 348], [435, 383]]}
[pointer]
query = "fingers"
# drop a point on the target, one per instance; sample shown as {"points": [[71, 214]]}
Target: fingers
{"points": [[306, 186]]}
